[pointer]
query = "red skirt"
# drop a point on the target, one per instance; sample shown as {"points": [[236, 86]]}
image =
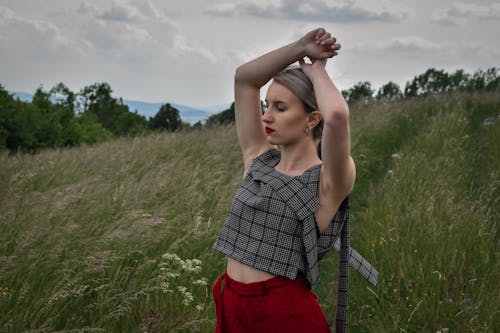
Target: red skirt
{"points": [[275, 305]]}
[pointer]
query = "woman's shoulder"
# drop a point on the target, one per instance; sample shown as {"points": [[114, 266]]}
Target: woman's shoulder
{"points": [[264, 154]]}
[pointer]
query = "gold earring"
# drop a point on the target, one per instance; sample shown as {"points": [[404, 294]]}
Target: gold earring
{"points": [[307, 130]]}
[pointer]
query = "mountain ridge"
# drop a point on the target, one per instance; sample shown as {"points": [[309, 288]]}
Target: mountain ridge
{"points": [[149, 109]]}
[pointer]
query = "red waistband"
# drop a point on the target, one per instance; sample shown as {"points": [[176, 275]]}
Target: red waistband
{"points": [[275, 284]]}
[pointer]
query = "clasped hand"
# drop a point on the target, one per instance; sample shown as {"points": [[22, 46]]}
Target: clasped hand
{"points": [[319, 45]]}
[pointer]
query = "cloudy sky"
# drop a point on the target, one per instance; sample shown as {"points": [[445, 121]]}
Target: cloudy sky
{"points": [[186, 51]]}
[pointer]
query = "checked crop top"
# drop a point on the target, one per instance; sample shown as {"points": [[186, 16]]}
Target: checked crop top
{"points": [[271, 225]]}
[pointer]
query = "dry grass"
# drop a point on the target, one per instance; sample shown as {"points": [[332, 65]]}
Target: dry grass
{"points": [[84, 231]]}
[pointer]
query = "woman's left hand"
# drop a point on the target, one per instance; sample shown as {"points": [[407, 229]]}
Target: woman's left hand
{"points": [[319, 44]]}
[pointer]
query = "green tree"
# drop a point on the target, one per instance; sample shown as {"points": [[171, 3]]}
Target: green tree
{"points": [[60, 94], [360, 92], [128, 123], [458, 80], [197, 125], [224, 117], [88, 130], [433, 81], [41, 99], [492, 79], [389, 92], [99, 102], [64, 101], [110, 112], [484, 80], [167, 118], [25, 128], [6, 111]]}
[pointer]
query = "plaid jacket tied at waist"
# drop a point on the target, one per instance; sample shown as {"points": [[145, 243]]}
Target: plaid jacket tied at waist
{"points": [[272, 227]]}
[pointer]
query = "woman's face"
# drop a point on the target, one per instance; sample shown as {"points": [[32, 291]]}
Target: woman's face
{"points": [[285, 118]]}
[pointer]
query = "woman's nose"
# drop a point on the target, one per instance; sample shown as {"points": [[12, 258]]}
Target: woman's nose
{"points": [[265, 116]]}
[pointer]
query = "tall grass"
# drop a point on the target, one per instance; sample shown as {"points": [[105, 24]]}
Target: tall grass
{"points": [[102, 238]]}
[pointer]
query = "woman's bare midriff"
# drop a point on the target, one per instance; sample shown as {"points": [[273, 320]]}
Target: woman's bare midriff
{"points": [[244, 273]]}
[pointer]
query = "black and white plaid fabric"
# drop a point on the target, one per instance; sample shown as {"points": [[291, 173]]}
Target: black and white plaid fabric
{"points": [[272, 227]]}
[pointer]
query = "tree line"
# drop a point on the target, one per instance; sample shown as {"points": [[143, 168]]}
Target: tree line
{"points": [[62, 118], [431, 82]]}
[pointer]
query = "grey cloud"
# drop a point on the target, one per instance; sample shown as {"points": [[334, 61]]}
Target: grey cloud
{"points": [[408, 44], [135, 31], [411, 44], [418, 48], [25, 35], [124, 11], [149, 10], [345, 12], [461, 13], [126, 26], [108, 36], [87, 8], [119, 12]]}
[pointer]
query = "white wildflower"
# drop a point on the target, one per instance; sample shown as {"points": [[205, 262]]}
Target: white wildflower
{"points": [[188, 298], [192, 266], [164, 286], [443, 330], [396, 156], [200, 282], [196, 262], [172, 275], [172, 257]]}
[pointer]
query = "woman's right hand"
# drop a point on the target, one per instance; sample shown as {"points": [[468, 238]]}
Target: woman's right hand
{"points": [[319, 44]]}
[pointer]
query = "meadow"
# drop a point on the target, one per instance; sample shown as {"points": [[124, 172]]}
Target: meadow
{"points": [[117, 237]]}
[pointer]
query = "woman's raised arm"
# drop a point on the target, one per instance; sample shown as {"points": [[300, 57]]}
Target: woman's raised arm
{"points": [[338, 166]]}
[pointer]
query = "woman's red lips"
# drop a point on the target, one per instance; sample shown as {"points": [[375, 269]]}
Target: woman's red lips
{"points": [[269, 130]]}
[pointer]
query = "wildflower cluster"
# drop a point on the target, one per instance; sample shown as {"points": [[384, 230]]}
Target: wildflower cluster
{"points": [[4, 292], [384, 239], [464, 304], [443, 330], [395, 157], [177, 275]]}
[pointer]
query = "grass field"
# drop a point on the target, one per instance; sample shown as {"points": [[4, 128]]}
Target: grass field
{"points": [[117, 237]]}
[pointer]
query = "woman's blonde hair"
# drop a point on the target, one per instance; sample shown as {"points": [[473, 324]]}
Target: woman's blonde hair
{"points": [[294, 79]]}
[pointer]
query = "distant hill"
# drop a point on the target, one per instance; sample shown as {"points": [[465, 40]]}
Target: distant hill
{"points": [[217, 108], [188, 114], [25, 97]]}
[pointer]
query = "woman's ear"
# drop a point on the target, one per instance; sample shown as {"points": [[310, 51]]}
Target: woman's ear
{"points": [[315, 118]]}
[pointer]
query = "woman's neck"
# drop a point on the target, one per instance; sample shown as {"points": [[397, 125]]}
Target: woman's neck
{"points": [[297, 158]]}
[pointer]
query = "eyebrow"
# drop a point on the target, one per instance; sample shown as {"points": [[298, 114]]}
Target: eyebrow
{"points": [[276, 102]]}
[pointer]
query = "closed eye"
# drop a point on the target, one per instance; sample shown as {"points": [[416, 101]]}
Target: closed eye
{"points": [[275, 105], [280, 106]]}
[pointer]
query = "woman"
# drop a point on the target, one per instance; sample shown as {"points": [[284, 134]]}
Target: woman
{"points": [[292, 203]]}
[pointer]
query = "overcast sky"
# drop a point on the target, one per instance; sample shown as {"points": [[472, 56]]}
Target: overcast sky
{"points": [[186, 51]]}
